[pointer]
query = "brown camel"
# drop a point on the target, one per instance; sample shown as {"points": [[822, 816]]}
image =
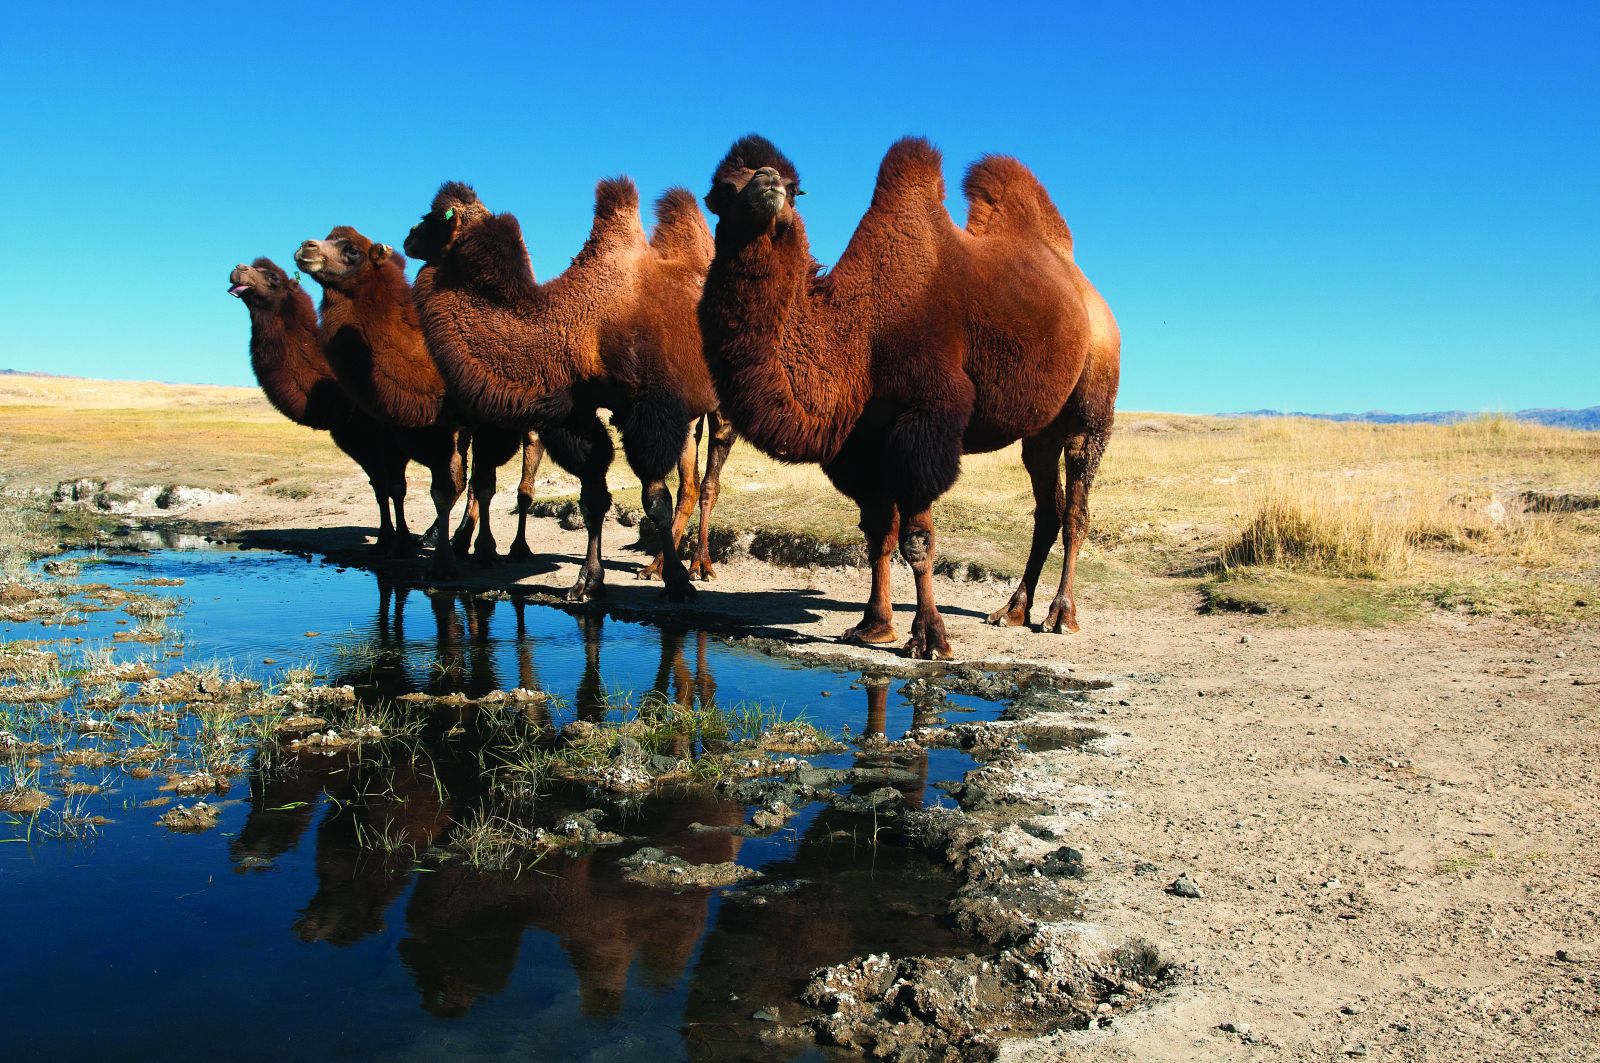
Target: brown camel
{"points": [[925, 342], [372, 340], [616, 330], [287, 357]]}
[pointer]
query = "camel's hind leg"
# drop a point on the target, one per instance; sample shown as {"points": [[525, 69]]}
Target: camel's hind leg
{"points": [[484, 472], [688, 494], [1087, 434], [449, 478], [461, 541], [1041, 455], [722, 437], [403, 544], [582, 446], [532, 455]]}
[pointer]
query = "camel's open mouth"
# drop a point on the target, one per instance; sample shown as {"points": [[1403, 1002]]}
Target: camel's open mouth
{"points": [[238, 289]]}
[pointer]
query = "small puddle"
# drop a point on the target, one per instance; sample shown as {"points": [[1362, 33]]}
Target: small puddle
{"points": [[331, 903]]}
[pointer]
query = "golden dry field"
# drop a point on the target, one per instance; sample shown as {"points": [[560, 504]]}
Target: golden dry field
{"points": [[1295, 518]]}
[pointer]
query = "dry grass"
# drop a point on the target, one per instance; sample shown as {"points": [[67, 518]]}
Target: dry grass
{"points": [[1412, 516]]}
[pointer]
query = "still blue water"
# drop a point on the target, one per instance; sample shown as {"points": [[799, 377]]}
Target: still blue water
{"points": [[274, 936]]}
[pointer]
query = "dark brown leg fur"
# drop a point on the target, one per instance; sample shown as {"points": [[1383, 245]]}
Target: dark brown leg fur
{"points": [[722, 437], [532, 454]]}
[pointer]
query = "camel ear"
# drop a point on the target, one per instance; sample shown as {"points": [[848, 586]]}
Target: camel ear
{"points": [[381, 252], [717, 199]]}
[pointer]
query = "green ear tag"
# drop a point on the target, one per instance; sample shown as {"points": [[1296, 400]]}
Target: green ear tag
{"points": [[449, 214], [297, 276]]}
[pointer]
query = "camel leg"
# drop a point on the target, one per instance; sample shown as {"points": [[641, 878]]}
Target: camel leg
{"points": [[657, 502], [483, 483], [1041, 454], [582, 446], [857, 471], [928, 641], [449, 478], [722, 437], [880, 523], [1084, 448], [461, 541], [688, 494], [404, 544], [532, 454], [655, 435], [922, 459]]}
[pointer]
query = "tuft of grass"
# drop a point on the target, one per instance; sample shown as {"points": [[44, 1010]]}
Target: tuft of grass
{"points": [[1307, 528]]}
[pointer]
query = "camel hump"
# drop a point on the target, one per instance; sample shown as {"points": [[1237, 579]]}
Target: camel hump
{"points": [[1004, 196], [615, 195], [912, 163], [680, 227]]}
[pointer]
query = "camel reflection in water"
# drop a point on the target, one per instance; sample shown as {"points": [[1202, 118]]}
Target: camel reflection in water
{"points": [[463, 928]]}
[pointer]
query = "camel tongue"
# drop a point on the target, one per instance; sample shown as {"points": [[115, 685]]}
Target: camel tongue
{"points": [[238, 290]]}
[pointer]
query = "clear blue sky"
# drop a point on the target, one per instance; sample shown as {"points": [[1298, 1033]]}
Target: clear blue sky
{"points": [[1322, 207]]}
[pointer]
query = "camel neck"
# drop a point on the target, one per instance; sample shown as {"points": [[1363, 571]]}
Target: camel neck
{"points": [[786, 364], [287, 358], [373, 342]]}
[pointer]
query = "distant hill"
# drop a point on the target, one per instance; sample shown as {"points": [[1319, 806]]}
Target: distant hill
{"points": [[1588, 419]]}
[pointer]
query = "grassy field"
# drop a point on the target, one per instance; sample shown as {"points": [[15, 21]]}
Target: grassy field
{"points": [[1295, 518]]}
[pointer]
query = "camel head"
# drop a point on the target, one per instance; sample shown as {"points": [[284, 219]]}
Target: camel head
{"points": [[754, 188], [262, 283], [455, 207], [343, 258]]}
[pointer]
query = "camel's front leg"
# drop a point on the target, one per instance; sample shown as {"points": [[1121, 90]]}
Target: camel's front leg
{"points": [[722, 437], [928, 641], [532, 454]]}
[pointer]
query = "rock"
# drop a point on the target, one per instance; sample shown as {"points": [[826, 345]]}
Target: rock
{"points": [[1065, 861], [1574, 954], [1144, 867], [1183, 886], [579, 731], [661, 764], [1356, 1051], [1355, 1007], [1344, 760], [765, 1015]]}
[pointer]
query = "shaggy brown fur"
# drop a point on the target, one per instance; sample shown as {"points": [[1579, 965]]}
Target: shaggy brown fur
{"points": [[925, 342], [370, 335], [287, 357], [616, 330]]}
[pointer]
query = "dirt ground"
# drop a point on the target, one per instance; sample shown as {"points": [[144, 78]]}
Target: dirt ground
{"points": [[1394, 831]]}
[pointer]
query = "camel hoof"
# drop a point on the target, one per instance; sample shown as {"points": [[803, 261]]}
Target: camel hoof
{"points": [[865, 634], [702, 570], [585, 589], [919, 648], [680, 592], [485, 559], [1007, 617], [1062, 620], [461, 547], [520, 551], [650, 571]]}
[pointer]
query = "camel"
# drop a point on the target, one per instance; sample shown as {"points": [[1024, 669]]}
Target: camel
{"points": [[925, 342], [371, 338], [286, 355], [616, 330]]}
